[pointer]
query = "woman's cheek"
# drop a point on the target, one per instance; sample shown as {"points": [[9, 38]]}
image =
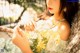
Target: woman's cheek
{"points": [[56, 9]]}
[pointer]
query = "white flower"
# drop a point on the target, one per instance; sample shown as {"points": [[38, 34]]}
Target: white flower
{"points": [[33, 35]]}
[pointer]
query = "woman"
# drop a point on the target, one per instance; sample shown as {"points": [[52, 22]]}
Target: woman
{"points": [[59, 31]]}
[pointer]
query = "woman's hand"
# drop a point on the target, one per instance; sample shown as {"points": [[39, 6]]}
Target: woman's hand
{"points": [[28, 22], [30, 25], [20, 40]]}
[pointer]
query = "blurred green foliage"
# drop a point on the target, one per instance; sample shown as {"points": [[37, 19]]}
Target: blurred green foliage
{"points": [[4, 21]]}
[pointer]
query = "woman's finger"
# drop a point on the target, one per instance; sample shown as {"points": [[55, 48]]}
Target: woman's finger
{"points": [[27, 28], [21, 32], [24, 36], [16, 39], [33, 23], [15, 33], [32, 26]]}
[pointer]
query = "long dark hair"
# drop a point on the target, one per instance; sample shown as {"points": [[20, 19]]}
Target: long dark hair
{"points": [[71, 10]]}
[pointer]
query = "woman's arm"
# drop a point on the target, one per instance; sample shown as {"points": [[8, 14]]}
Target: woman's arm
{"points": [[20, 39]]}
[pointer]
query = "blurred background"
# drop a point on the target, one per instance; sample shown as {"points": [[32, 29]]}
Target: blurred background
{"points": [[12, 10]]}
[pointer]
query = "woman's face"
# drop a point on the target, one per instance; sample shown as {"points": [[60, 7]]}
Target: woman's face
{"points": [[53, 6]]}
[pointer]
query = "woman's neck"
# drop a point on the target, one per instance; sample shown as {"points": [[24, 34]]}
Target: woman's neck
{"points": [[58, 17]]}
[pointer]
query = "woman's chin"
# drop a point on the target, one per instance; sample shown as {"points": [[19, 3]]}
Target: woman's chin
{"points": [[51, 12]]}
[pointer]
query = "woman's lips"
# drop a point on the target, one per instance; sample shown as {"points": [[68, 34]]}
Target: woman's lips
{"points": [[50, 8]]}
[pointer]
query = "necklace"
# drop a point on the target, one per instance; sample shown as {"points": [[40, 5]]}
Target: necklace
{"points": [[57, 23]]}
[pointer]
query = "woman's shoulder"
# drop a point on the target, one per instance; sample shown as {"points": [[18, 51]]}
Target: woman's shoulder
{"points": [[64, 30]]}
